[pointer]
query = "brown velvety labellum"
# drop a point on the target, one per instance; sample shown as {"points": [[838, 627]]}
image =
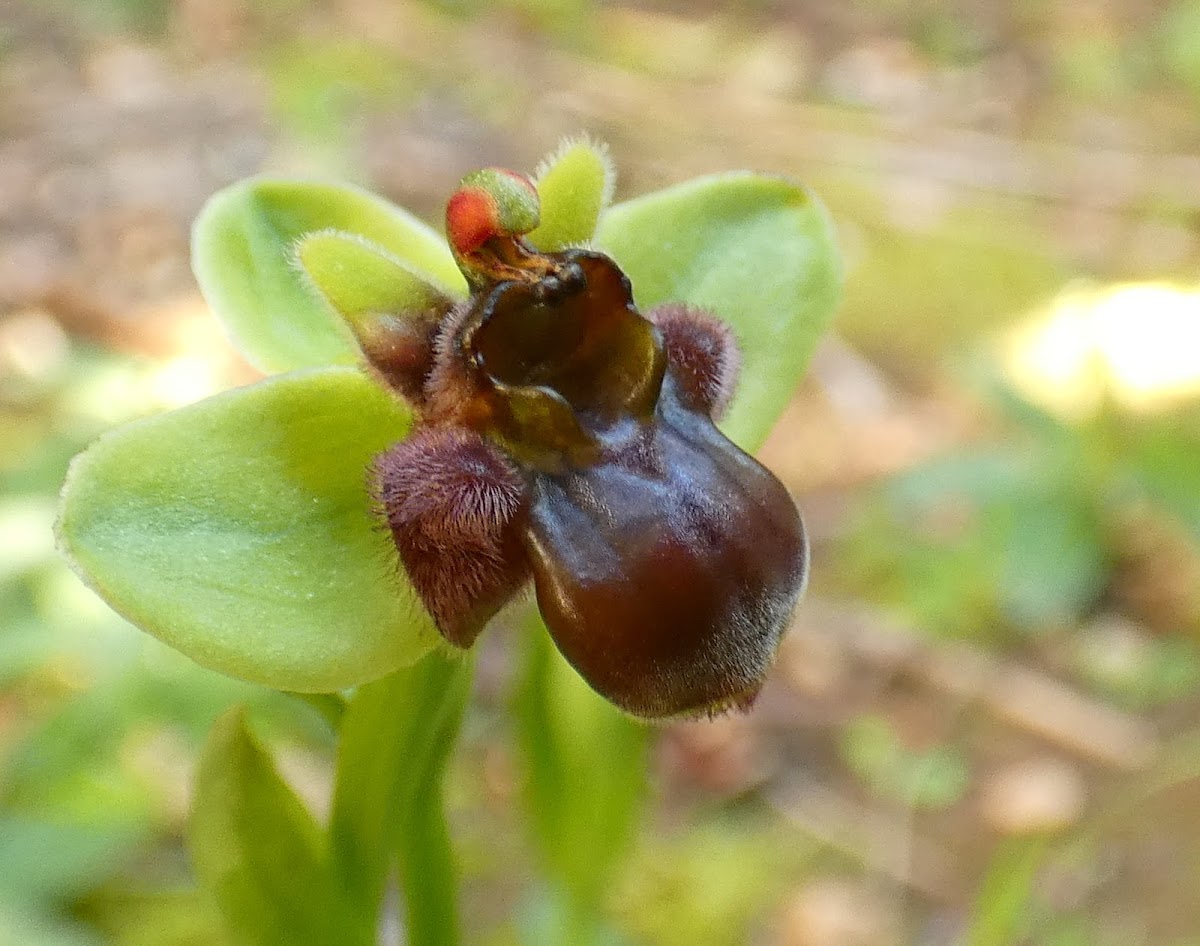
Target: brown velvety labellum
{"points": [[668, 571], [666, 561]]}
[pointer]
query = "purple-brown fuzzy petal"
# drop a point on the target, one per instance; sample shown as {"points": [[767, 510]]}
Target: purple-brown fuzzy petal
{"points": [[453, 503], [399, 348], [702, 354]]}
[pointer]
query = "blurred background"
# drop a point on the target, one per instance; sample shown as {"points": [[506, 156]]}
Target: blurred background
{"points": [[985, 725]]}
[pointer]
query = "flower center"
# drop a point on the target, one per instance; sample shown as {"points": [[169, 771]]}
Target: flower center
{"points": [[563, 358]]}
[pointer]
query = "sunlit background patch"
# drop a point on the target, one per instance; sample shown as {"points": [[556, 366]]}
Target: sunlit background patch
{"points": [[1136, 344]]}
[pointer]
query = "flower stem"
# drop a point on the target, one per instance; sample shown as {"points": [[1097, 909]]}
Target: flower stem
{"points": [[428, 874], [396, 738]]}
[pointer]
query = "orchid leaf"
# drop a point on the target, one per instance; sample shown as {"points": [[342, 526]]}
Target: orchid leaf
{"points": [[260, 854]]}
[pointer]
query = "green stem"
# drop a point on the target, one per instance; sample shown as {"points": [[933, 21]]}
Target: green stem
{"points": [[396, 738], [428, 874]]}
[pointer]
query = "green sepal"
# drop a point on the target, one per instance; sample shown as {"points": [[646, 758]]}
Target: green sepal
{"points": [[756, 251], [381, 300], [359, 278], [239, 530], [260, 855], [574, 185], [243, 257]]}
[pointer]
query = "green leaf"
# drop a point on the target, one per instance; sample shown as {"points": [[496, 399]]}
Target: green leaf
{"points": [[396, 738], [933, 778], [260, 854], [242, 254], [1162, 463], [1179, 34], [1055, 560], [575, 184], [549, 918], [982, 476], [756, 251], [20, 923], [158, 914], [239, 531]]}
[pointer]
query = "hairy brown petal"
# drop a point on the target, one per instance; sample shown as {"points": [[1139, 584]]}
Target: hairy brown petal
{"points": [[453, 503], [400, 349], [702, 354]]}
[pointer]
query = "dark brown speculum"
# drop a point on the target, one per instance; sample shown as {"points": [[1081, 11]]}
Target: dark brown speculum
{"points": [[568, 439]]}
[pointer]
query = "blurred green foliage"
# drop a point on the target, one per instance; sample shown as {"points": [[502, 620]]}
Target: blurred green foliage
{"points": [[1179, 37], [318, 87], [923, 293], [149, 18], [715, 884], [932, 778], [1023, 533]]}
